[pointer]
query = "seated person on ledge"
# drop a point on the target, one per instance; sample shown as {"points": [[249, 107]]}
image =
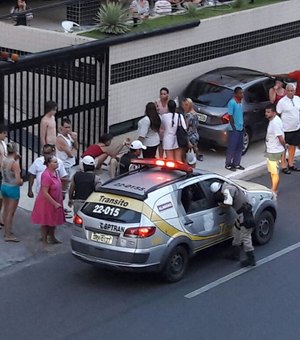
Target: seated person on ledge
{"points": [[162, 7], [139, 9]]}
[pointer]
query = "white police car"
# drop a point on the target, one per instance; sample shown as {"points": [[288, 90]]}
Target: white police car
{"points": [[156, 217]]}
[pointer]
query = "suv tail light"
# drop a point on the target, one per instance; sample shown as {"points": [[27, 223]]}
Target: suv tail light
{"points": [[140, 232], [225, 118], [77, 220]]}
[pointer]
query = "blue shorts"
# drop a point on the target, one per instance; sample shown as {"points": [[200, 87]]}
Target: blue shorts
{"points": [[10, 191]]}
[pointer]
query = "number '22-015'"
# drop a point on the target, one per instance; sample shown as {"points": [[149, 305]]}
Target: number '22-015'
{"points": [[112, 211]]}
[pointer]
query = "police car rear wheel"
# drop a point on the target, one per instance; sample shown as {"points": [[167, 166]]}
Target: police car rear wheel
{"points": [[264, 228], [176, 264]]}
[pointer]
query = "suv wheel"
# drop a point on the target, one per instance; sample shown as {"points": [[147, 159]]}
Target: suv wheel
{"points": [[176, 264], [264, 228], [246, 140]]}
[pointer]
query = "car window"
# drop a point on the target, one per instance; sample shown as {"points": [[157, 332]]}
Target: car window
{"points": [[256, 94], [209, 94], [193, 199], [111, 213]]}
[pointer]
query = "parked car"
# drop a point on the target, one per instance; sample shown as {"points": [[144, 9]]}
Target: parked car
{"points": [[156, 217], [211, 93]]}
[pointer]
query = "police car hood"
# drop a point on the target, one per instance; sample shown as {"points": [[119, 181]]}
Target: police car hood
{"points": [[250, 186]]}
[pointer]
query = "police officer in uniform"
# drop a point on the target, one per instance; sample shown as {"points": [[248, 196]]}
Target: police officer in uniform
{"points": [[231, 195]]}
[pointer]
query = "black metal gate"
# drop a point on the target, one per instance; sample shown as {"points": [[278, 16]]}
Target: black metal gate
{"points": [[75, 77]]}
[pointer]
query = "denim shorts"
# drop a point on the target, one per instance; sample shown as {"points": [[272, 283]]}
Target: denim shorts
{"points": [[10, 191]]}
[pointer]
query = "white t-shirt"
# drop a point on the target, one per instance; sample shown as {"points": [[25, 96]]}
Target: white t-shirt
{"points": [[144, 130], [275, 129], [289, 109], [38, 167], [169, 137]]}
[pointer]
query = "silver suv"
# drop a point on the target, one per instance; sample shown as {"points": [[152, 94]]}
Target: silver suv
{"points": [[156, 217]]}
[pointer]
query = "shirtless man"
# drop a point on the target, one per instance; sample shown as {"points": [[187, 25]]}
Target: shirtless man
{"points": [[48, 124]]}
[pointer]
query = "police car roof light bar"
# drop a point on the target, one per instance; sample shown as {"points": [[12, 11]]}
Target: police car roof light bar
{"points": [[165, 163]]}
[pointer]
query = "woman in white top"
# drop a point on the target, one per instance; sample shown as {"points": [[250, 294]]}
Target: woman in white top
{"points": [[148, 130], [170, 123], [162, 108]]}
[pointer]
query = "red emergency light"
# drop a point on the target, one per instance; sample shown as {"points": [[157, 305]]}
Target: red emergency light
{"points": [[164, 163]]}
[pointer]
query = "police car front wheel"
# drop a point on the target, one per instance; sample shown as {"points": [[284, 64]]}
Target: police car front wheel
{"points": [[176, 264], [264, 228]]}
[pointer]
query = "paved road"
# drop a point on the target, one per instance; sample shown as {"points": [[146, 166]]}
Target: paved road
{"points": [[62, 298]]}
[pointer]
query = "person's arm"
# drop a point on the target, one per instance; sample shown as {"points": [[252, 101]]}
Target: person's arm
{"points": [[282, 141], [62, 145], [230, 113], [45, 191], [143, 128], [231, 122], [279, 107], [75, 140], [43, 132], [272, 94], [17, 172], [31, 179], [97, 183], [113, 150]]}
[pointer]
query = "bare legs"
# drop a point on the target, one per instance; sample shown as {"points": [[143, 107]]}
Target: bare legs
{"points": [[292, 150], [9, 209], [275, 183], [175, 154], [48, 235]]}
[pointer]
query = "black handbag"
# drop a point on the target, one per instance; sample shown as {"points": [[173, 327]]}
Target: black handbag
{"points": [[181, 134]]}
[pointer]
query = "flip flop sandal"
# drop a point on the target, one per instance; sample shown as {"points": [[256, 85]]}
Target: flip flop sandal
{"points": [[11, 239], [294, 168]]}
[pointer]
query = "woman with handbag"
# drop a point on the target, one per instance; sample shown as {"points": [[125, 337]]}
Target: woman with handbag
{"points": [[192, 124], [175, 139]]}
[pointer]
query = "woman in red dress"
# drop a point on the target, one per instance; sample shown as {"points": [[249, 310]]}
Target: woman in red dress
{"points": [[48, 208]]}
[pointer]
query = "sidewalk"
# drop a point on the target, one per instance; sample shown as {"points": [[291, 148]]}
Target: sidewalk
{"points": [[30, 248]]}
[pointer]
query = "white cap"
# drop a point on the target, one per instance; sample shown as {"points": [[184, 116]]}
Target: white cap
{"points": [[191, 158], [137, 144], [215, 186], [88, 160]]}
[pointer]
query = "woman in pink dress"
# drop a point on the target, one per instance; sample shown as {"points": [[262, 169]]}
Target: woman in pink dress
{"points": [[48, 208]]}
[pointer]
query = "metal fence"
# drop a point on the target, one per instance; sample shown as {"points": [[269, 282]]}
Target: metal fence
{"points": [[74, 77]]}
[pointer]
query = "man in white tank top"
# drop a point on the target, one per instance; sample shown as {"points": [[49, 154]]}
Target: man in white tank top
{"points": [[67, 145], [66, 150]]}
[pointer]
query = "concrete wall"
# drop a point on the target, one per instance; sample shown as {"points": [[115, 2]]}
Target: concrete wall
{"points": [[127, 99], [30, 39]]}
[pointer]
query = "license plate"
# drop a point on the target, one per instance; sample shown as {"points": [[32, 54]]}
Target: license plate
{"points": [[202, 117], [102, 238]]}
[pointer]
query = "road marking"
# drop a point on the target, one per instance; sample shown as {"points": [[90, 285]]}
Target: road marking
{"points": [[241, 271]]}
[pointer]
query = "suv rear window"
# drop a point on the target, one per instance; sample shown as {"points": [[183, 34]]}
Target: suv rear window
{"points": [[111, 213], [208, 94]]}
